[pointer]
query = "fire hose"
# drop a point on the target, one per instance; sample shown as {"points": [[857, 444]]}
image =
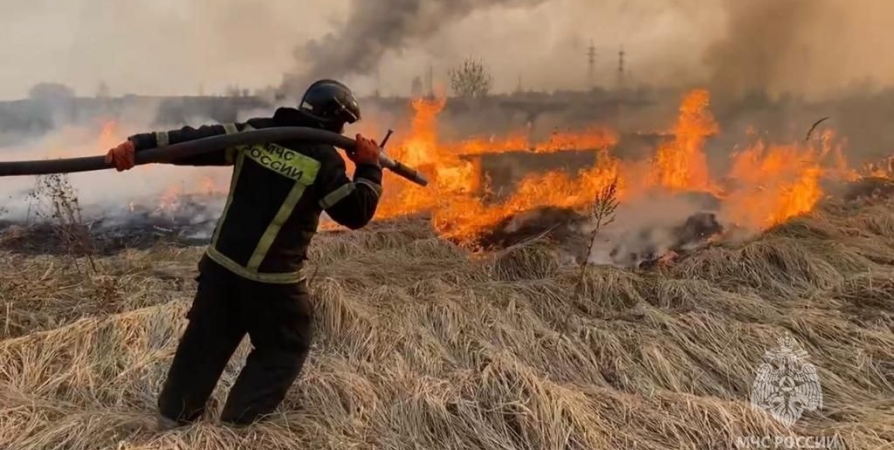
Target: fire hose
{"points": [[196, 147]]}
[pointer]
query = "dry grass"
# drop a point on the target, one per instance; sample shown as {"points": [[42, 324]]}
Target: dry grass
{"points": [[420, 345], [55, 200]]}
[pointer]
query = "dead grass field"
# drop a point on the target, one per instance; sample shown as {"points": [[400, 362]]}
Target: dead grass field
{"points": [[421, 346]]}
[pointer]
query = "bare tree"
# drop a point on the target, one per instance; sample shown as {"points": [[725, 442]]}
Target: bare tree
{"points": [[51, 91], [471, 79], [602, 212], [57, 202], [103, 90]]}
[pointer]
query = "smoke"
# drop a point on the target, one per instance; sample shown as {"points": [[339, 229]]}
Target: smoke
{"points": [[376, 27], [808, 47], [647, 228], [812, 46], [107, 194], [644, 230], [162, 47]]}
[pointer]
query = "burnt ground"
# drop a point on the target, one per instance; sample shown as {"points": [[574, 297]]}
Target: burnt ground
{"points": [[570, 232], [140, 229], [191, 223]]}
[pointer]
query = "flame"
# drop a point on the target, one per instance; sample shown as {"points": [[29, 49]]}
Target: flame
{"points": [[769, 183], [681, 164], [466, 216], [765, 185], [173, 196], [108, 137], [450, 175], [880, 169], [590, 139], [453, 197], [208, 187], [170, 199], [772, 184], [593, 138]]}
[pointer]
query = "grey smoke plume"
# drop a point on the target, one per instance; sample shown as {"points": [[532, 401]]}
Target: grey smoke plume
{"points": [[376, 27], [812, 47]]}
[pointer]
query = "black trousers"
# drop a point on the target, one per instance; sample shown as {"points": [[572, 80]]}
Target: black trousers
{"points": [[277, 319]]}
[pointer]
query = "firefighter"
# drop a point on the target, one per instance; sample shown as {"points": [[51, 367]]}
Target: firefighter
{"points": [[250, 277]]}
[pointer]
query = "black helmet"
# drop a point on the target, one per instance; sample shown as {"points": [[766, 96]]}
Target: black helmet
{"points": [[331, 103]]}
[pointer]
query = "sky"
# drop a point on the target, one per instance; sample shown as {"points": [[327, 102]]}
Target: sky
{"points": [[184, 47], [153, 47], [174, 47]]}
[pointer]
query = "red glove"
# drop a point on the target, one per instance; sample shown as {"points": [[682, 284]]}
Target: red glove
{"points": [[366, 152], [122, 156]]}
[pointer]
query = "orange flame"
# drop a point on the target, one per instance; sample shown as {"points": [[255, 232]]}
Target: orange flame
{"points": [[170, 199], [108, 137], [773, 184], [766, 185], [681, 164]]}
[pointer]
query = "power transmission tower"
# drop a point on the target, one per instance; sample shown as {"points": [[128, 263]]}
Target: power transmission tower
{"points": [[378, 91], [416, 87], [591, 62], [621, 55]]}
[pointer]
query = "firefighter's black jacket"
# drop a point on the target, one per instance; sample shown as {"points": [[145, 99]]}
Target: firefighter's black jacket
{"points": [[277, 194]]}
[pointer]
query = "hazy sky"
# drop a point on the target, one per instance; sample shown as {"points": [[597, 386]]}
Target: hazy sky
{"points": [[154, 46], [175, 46]]}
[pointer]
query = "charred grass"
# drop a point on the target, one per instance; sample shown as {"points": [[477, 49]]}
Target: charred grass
{"points": [[422, 345]]}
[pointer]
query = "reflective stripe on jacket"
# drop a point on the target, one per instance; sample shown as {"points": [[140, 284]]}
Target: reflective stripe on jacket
{"points": [[277, 193]]}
